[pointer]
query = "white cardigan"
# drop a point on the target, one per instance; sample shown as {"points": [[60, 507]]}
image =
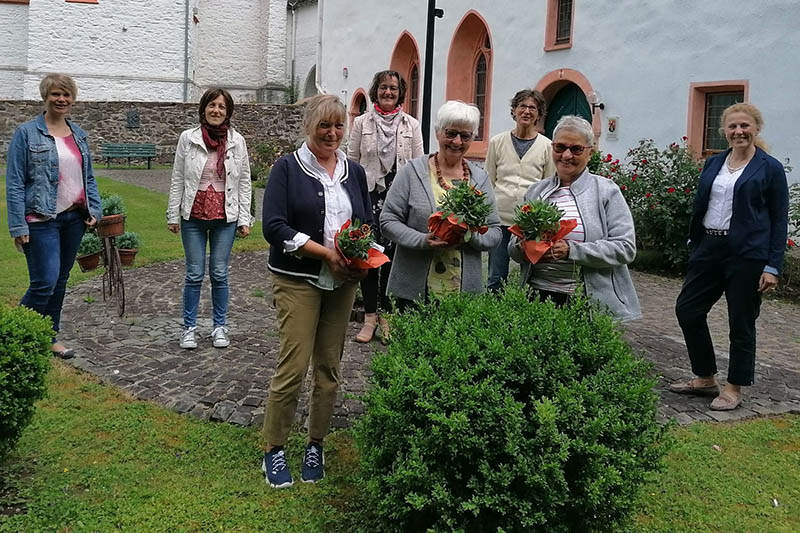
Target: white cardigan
{"points": [[191, 156], [511, 176]]}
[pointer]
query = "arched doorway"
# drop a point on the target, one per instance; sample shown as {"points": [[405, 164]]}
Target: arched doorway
{"points": [[310, 88], [551, 86], [569, 100]]}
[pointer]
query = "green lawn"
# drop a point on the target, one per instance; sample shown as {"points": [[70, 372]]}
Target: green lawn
{"points": [[146, 216], [94, 460]]}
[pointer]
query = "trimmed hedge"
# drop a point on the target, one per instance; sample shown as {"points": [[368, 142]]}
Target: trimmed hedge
{"points": [[24, 363], [500, 414]]}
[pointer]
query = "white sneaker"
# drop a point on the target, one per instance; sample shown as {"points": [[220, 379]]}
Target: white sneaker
{"points": [[220, 336], [189, 339]]}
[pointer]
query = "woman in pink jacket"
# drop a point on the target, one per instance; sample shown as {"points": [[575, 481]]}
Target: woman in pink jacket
{"points": [[382, 140]]}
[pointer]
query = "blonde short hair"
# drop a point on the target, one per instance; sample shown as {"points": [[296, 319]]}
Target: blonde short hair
{"points": [[61, 81], [322, 108]]}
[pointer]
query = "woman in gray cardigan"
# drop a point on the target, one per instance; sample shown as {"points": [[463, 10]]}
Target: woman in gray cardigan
{"points": [[602, 244], [424, 264]]}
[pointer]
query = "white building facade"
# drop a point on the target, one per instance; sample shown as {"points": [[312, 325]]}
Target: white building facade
{"points": [[661, 70], [157, 50]]}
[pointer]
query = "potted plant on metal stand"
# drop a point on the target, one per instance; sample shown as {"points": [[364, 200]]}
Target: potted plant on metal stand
{"points": [[113, 222], [89, 252], [127, 246]]}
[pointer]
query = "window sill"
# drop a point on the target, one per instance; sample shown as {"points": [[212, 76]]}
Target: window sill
{"points": [[561, 46]]}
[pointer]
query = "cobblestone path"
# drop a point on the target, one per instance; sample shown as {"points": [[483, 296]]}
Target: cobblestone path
{"points": [[139, 352]]}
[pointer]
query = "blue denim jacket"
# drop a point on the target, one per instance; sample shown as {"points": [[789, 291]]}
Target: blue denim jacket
{"points": [[32, 174]]}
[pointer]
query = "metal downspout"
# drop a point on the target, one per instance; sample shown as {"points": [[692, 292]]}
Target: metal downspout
{"points": [[318, 73], [186, 53]]}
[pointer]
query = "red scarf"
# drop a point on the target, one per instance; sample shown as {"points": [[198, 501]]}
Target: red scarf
{"points": [[382, 112], [216, 138]]}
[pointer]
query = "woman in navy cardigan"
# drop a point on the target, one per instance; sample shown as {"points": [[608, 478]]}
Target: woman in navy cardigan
{"points": [[309, 195], [737, 238]]}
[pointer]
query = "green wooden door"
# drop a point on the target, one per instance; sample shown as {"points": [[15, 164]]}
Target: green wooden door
{"points": [[570, 100]]}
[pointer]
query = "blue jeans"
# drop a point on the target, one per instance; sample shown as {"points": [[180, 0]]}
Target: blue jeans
{"points": [[50, 254], [498, 262], [194, 234]]}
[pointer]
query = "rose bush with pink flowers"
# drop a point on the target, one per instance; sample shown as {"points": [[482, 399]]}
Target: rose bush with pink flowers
{"points": [[659, 187]]}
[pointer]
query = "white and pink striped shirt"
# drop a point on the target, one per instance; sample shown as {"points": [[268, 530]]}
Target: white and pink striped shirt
{"points": [[560, 276]]}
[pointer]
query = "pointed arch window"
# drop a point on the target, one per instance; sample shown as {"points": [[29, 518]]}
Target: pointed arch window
{"points": [[480, 92], [413, 92], [469, 74]]}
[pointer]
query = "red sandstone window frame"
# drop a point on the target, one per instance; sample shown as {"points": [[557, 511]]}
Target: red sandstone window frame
{"points": [[468, 43], [696, 123], [82, 1], [551, 40], [26, 2]]}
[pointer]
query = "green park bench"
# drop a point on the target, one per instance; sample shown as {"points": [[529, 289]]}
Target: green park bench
{"points": [[129, 150]]}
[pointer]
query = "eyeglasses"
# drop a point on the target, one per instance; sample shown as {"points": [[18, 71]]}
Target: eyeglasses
{"points": [[575, 149], [390, 88], [528, 107], [452, 134]]}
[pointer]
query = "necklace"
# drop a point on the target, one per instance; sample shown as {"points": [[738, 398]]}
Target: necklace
{"points": [[440, 179], [733, 169]]}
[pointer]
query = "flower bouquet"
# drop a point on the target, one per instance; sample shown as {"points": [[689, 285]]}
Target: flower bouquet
{"points": [[357, 245], [463, 212], [538, 224]]}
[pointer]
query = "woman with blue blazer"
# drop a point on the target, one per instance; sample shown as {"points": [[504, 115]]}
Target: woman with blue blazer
{"points": [[737, 238], [310, 194]]}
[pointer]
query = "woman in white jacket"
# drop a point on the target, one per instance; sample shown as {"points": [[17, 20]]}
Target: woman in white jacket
{"points": [[209, 202], [383, 140]]}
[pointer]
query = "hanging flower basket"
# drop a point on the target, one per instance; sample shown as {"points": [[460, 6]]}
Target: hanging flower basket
{"points": [[111, 226], [89, 262], [126, 255]]}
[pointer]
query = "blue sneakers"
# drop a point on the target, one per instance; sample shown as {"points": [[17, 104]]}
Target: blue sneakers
{"points": [[313, 463], [276, 470]]}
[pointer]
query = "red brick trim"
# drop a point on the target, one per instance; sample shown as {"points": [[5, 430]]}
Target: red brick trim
{"points": [[696, 115], [551, 27]]}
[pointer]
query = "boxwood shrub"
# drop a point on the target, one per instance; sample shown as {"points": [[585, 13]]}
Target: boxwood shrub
{"points": [[500, 414], [24, 362]]}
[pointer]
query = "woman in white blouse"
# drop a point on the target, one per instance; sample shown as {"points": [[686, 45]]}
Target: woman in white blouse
{"points": [[738, 237]]}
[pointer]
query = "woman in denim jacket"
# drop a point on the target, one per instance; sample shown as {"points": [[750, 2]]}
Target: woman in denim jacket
{"points": [[51, 197]]}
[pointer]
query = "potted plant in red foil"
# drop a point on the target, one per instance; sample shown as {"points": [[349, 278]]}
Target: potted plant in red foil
{"points": [[356, 243], [538, 225], [463, 211]]}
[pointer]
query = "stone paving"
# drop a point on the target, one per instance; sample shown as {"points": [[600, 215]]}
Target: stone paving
{"points": [[139, 352]]}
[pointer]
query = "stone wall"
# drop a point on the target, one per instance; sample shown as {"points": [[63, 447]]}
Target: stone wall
{"points": [[159, 123]]}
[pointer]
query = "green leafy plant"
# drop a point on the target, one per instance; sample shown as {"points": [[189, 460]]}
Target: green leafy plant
{"points": [[467, 203], [24, 363], [355, 240], [794, 215], [659, 186], [264, 155], [496, 413], [112, 204], [128, 241], [538, 220], [90, 244]]}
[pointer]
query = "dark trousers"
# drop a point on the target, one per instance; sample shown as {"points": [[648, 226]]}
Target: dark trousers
{"points": [[498, 262], [50, 253], [712, 272], [373, 286]]}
